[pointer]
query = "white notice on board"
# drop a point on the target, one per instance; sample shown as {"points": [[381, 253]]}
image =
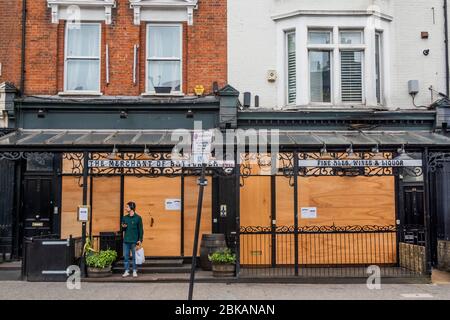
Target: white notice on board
{"points": [[173, 204], [309, 213]]}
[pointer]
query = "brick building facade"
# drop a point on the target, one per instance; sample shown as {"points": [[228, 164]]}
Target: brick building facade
{"points": [[10, 41], [204, 49]]}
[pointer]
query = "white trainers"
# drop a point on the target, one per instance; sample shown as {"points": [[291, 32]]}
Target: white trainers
{"points": [[126, 274], [134, 274]]}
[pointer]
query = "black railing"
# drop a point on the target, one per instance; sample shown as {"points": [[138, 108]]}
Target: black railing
{"points": [[108, 240], [325, 251]]}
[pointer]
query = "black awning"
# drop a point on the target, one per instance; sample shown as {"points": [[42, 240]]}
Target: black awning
{"points": [[93, 138]]}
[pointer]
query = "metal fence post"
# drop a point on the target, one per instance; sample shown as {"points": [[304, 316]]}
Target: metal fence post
{"points": [[296, 212], [427, 222]]}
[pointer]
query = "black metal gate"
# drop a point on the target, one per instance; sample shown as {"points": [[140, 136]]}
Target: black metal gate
{"points": [[332, 251]]}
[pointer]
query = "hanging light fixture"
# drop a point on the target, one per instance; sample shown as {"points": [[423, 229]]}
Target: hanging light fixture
{"points": [[377, 154], [351, 155], [113, 154], [324, 154], [146, 151], [402, 155]]}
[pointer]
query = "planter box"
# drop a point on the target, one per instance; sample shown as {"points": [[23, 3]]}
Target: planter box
{"points": [[224, 270], [99, 273], [163, 89]]}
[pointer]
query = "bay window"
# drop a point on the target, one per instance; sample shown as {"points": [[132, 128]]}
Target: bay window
{"points": [[164, 58], [82, 57]]}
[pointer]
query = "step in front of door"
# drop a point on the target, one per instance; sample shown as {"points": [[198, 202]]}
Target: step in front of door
{"points": [[157, 266], [160, 263]]}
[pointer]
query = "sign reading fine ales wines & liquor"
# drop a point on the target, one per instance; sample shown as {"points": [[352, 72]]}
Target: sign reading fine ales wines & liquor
{"points": [[359, 163]]}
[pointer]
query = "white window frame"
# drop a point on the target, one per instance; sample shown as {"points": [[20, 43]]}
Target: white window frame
{"points": [[318, 103], [286, 54], [66, 59], [336, 47], [148, 59], [380, 35], [321, 47]]}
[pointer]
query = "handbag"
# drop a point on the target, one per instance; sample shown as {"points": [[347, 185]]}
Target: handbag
{"points": [[140, 256]]}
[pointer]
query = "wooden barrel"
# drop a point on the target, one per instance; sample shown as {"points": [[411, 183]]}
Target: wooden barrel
{"points": [[210, 243]]}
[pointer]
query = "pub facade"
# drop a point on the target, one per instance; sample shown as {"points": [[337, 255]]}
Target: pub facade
{"points": [[311, 190]]}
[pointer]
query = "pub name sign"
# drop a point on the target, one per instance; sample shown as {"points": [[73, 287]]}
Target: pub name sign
{"points": [[360, 163], [157, 164]]}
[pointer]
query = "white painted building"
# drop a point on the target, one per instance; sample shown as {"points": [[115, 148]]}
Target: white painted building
{"points": [[337, 53]]}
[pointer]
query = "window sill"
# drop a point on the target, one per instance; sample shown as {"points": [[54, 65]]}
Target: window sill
{"points": [[79, 93], [154, 94]]}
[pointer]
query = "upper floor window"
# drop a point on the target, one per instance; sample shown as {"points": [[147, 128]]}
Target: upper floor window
{"points": [[335, 52], [291, 68], [82, 57], [164, 58]]}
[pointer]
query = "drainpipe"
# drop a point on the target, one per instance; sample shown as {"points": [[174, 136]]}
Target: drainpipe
{"points": [[447, 69], [24, 32]]}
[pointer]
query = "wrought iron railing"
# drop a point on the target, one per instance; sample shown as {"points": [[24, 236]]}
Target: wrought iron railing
{"points": [[325, 250]]}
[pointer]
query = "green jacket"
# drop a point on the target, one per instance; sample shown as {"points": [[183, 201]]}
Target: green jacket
{"points": [[134, 231]]}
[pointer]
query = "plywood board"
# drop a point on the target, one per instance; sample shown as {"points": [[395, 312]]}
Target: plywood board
{"points": [[255, 207], [340, 201], [162, 228], [191, 190], [72, 197], [105, 204]]}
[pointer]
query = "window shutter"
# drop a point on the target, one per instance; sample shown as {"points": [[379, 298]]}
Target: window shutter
{"points": [[291, 69], [351, 76]]}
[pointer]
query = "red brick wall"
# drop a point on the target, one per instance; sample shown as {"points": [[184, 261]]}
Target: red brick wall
{"points": [[10, 40], [204, 49]]}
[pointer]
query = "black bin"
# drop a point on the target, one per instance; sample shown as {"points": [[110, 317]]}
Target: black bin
{"points": [[47, 259]]}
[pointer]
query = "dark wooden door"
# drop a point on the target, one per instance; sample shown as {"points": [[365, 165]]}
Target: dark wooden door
{"points": [[414, 205], [38, 204]]}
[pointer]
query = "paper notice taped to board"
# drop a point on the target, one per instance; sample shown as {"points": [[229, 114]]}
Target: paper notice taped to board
{"points": [[173, 204], [309, 212]]}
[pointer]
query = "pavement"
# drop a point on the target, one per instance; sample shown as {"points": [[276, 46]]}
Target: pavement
{"points": [[19, 290], [13, 289]]}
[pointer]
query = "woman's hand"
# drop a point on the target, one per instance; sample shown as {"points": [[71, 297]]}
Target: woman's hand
{"points": [[139, 243]]}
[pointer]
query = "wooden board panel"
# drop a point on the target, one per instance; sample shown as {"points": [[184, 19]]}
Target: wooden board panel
{"points": [[284, 202], [162, 238], [348, 200], [105, 204], [190, 212], [255, 202], [72, 197], [340, 201], [255, 207]]}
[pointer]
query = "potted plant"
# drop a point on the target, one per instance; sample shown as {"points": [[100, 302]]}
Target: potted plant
{"points": [[159, 88], [99, 263], [223, 263]]}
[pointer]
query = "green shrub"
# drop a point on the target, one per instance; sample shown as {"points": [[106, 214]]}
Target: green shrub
{"points": [[223, 257], [101, 259]]}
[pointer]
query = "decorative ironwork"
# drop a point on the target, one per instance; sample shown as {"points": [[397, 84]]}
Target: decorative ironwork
{"points": [[319, 229], [18, 155], [436, 160], [255, 163], [76, 163]]}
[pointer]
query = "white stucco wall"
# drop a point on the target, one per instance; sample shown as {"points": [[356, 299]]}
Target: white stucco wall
{"points": [[256, 45]]}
